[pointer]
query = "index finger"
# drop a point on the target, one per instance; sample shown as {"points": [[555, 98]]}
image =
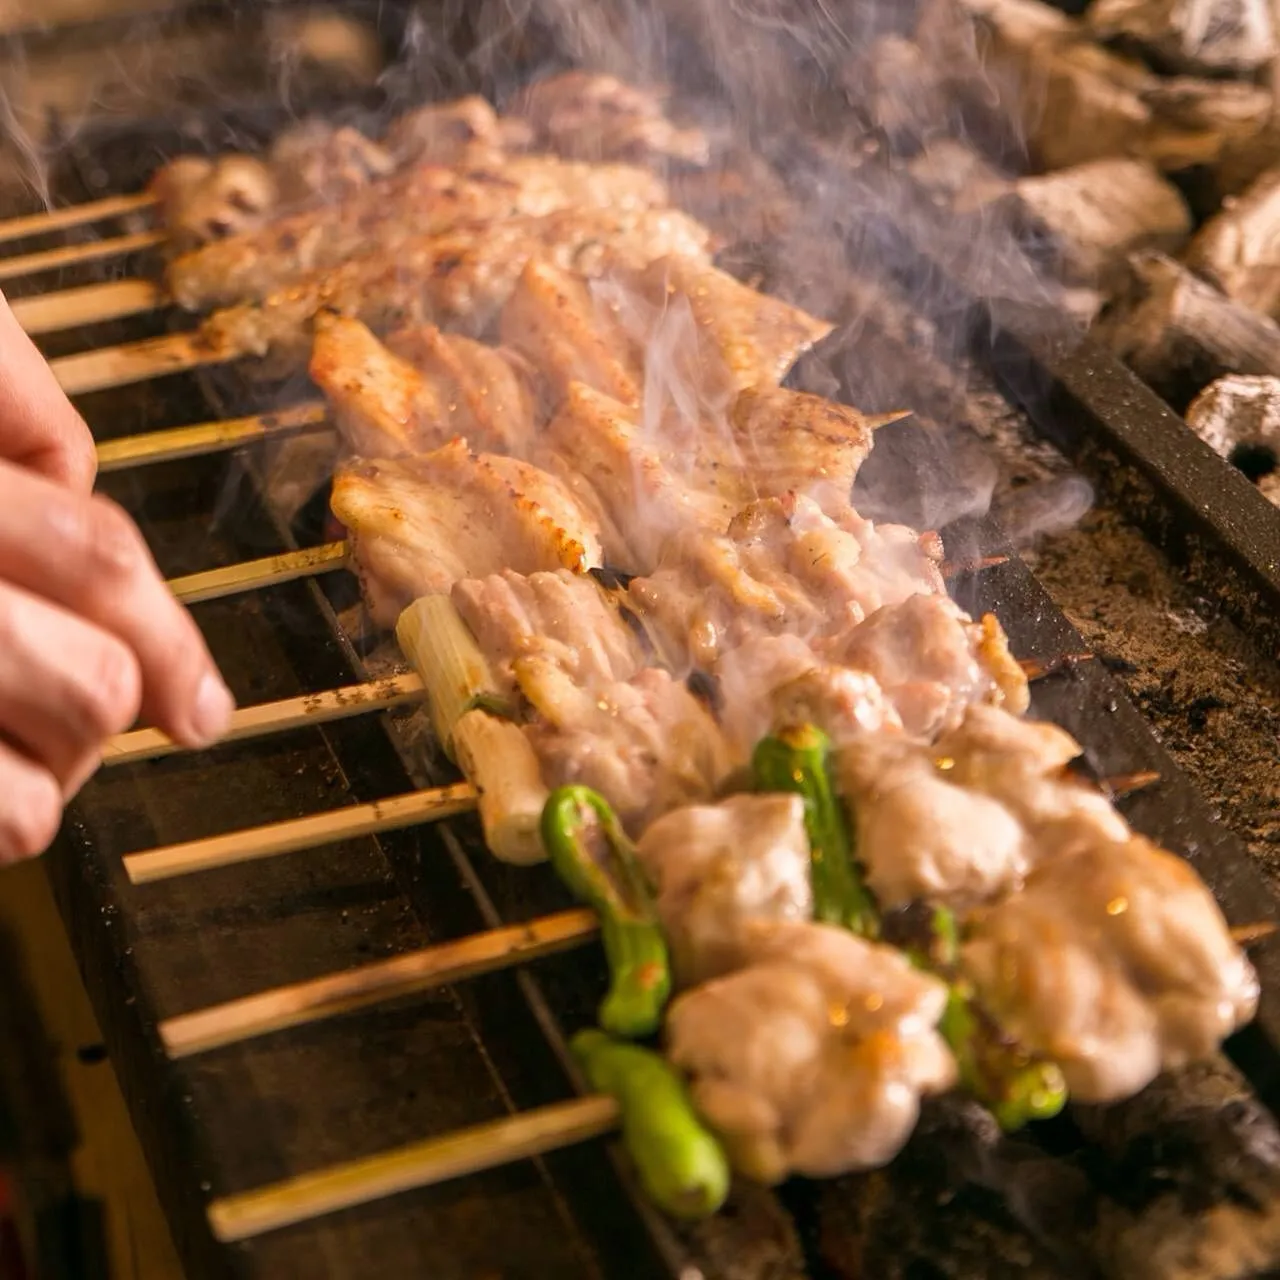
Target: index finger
{"points": [[39, 427], [85, 554]]}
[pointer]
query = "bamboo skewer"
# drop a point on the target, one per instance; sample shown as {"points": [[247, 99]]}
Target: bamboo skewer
{"points": [[336, 994], [92, 304], [251, 575], [29, 264], [294, 834], [76, 215], [109, 367], [421, 1164], [276, 717], [208, 437]]}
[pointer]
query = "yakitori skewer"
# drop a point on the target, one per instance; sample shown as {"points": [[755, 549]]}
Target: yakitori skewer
{"points": [[92, 304], [30, 264], [276, 717], [340, 993], [76, 215], [421, 1164], [251, 575], [277, 838], [109, 367], [208, 437]]}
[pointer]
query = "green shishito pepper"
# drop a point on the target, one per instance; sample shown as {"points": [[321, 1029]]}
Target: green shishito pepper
{"points": [[593, 856], [681, 1165], [1014, 1085], [795, 760]]}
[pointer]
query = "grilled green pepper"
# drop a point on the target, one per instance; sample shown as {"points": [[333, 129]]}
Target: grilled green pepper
{"points": [[682, 1166], [593, 856], [796, 760]]}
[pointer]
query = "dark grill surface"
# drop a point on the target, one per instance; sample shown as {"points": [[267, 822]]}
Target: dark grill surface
{"points": [[961, 1202]]}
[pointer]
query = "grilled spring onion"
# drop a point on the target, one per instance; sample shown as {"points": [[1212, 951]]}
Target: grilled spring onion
{"points": [[682, 1167], [796, 761], [1015, 1086], [593, 856], [473, 724]]}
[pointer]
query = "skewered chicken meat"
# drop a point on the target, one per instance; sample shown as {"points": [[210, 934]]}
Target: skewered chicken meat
{"points": [[598, 117], [463, 132], [422, 200], [463, 277], [812, 1059], [783, 566], [419, 524], [1115, 962], [715, 868], [420, 390]]}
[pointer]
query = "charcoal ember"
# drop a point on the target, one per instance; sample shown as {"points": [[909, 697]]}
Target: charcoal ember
{"points": [[961, 1201], [1204, 36], [1079, 101], [1099, 213], [957, 175], [1238, 413], [1179, 333], [753, 1237], [1190, 1175], [1239, 249]]}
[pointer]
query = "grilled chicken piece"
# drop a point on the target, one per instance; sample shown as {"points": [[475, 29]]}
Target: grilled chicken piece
{"points": [[561, 615], [933, 660], [597, 117], [646, 744], [315, 161], [680, 328], [421, 200], [462, 277], [419, 524], [783, 567], [460, 133], [717, 867], [813, 1059], [1116, 963], [431, 387]]}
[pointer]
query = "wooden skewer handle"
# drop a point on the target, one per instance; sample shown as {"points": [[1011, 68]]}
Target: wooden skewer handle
{"points": [[279, 838], [76, 215], [276, 717], [29, 264], [72, 308], [341, 993], [251, 575], [422, 1164], [136, 362]]}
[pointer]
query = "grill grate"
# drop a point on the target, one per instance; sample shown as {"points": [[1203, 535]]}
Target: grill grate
{"points": [[273, 620]]}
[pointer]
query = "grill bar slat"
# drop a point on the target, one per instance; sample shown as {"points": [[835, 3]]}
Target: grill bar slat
{"points": [[339, 993], [421, 1164], [432, 804], [276, 717], [208, 437], [73, 308]]}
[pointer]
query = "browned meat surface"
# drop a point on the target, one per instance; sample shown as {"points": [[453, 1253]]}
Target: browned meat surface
{"points": [[419, 524], [1116, 963], [463, 132], [814, 1057], [460, 278], [421, 200], [422, 389], [598, 117]]}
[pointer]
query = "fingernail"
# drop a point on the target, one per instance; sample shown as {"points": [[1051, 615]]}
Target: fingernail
{"points": [[213, 707]]}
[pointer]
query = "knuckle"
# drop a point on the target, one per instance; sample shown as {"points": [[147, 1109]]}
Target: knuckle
{"points": [[114, 545], [31, 820], [107, 693]]}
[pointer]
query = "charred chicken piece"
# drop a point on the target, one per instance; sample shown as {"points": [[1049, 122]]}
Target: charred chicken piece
{"points": [[420, 390], [455, 134], [1115, 962], [419, 524], [421, 200], [462, 277], [812, 1059]]}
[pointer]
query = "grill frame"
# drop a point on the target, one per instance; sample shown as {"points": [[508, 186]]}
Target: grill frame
{"points": [[1086, 701]]}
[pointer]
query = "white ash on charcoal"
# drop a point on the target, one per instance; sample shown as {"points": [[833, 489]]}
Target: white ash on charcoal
{"points": [[1239, 249], [1178, 333], [1238, 412], [1213, 37], [1076, 100]]}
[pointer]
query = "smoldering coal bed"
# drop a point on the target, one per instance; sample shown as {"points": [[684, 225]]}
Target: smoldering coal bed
{"points": [[1181, 1181]]}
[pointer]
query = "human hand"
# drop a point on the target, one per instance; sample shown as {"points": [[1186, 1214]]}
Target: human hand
{"points": [[90, 635]]}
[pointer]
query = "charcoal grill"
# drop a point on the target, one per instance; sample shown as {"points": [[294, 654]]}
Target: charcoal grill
{"points": [[282, 1000]]}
